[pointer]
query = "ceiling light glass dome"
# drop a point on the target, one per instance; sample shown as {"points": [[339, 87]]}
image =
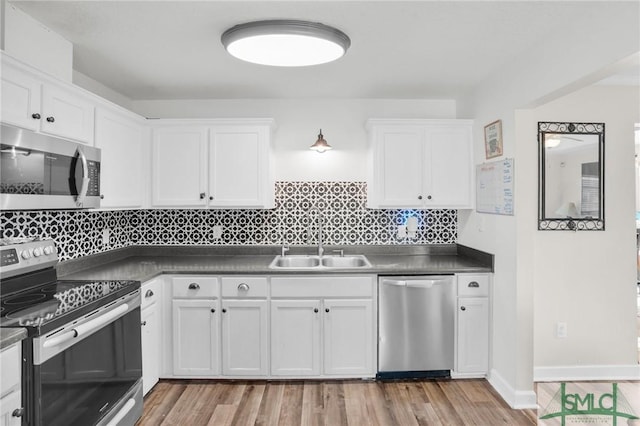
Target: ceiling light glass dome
{"points": [[285, 43]]}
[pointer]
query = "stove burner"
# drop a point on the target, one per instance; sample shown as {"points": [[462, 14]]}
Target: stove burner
{"points": [[34, 315], [25, 298]]}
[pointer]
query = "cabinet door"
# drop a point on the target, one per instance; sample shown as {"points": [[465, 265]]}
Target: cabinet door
{"points": [[399, 153], [66, 114], [295, 337], [150, 346], [348, 337], [473, 335], [179, 177], [448, 167], [8, 404], [244, 338], [124, 154], [20, 99], [196, 338], [238, 166]]}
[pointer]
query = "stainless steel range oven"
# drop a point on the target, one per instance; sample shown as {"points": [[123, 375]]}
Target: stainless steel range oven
{"points": [[82, 359]]}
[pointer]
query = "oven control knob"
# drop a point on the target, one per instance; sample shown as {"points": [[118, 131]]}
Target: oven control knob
{"points": [[25, 254], [37, 252], [48, 250]]}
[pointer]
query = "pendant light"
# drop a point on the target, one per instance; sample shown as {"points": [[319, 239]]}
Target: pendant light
{"points": [[320, 145], [285, 43]]}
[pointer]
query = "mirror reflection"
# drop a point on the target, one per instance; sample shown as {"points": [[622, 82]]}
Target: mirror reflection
{"points": [[571, 171]]}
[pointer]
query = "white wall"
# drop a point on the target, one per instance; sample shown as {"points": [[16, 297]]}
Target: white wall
{"points": [[588, 279], [298, 122], [578, 59], [31, 42]]}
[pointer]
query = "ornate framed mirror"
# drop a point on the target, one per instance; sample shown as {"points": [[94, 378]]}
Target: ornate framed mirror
{"points": [[570, 176]]}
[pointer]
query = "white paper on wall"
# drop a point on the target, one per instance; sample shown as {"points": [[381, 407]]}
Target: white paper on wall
{"points": [[494, 187]]}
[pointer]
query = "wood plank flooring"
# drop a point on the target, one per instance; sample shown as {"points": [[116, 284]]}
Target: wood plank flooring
{"points": [[348, 402]]}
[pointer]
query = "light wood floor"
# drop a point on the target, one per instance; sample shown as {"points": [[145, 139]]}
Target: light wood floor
{"points": [[389, 403]]}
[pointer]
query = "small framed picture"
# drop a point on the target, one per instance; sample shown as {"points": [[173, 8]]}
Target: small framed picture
{"points": [[493, 139]]}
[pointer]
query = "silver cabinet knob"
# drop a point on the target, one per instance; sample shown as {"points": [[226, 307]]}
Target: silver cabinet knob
{"points": [[149, 293], [143, 323], [194, 286], [243, 287], [51, 119], [474, 284], [462, 308]]}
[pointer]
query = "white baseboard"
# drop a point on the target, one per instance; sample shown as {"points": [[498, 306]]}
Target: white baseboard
{"points": [[576, 373], [515, 398]]}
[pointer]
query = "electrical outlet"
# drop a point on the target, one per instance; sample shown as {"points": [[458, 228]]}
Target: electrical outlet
{"points": [[217, 232], [561, 330], [106, 233], [402, 232]]}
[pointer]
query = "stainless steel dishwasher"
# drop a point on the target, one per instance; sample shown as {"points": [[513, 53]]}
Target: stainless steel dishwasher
{"points": [[416, 317]]}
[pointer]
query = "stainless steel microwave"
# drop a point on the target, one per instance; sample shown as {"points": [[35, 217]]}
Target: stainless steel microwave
{"points": [[42, 172]]}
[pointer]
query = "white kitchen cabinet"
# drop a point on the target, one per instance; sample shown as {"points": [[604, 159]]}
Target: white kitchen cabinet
{"points": [[420, 164], [244, 338], [41, 105], [213, 163], [239, 167], [348, 341], [196, 326], [21, 94], [179, 166], [150, 317], [472, 330], [10, 387], [196, 337], [323, 326], [245, 326], [125, 153], [295, 337]]}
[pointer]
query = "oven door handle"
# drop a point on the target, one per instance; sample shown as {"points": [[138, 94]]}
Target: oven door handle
{"points": [[96, 323], [86, 328], [128, 406], [58, 340], [84, 188]]}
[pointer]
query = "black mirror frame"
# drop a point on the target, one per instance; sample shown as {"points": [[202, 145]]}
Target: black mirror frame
{"points": [[569, 224]]}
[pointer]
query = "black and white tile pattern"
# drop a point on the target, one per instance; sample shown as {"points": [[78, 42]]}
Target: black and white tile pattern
{"points": [[341, 206]]}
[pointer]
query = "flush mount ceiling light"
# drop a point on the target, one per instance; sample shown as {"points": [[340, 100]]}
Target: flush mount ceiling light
{"points": [[285, 43], [321, 145]]}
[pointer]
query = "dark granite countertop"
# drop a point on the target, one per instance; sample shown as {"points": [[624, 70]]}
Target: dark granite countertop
{"points": [[9, 336], [145, 262]]}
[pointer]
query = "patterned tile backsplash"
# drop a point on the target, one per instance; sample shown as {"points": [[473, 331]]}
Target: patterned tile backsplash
{"points": [[294, 220]]}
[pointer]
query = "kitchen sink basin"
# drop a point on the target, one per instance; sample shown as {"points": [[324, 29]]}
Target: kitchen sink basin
{"points": [[319, 263], [355, 261], [295, 262]]}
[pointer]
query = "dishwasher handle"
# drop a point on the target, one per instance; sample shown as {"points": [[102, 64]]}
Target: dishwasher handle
{"points": [[418, 283]]}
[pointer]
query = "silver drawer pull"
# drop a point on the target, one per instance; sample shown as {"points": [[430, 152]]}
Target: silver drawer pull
{"points": [[149, 293], [243, 287], [194, 286], [474, 284]]}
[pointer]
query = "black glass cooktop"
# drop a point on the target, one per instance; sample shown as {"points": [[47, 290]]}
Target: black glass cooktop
{"points": [[53, 304]]}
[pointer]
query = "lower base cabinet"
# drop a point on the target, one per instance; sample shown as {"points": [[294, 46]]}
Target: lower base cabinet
{"points": [[196, 338], [150, 324], [244, 338], [472, 331], [10, 388]]}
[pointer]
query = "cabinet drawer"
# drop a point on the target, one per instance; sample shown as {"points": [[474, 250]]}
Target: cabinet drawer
{"points": [[473, 285], [195, 287], [244, 287], [11, 367], [328, 286], [150, 293]]}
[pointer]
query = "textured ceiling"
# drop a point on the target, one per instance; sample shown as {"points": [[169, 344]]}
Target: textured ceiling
{"points": [[412, 49]]}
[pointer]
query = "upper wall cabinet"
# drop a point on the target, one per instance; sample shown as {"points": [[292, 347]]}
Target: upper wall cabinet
{"points": [[212, 163], [34, 103], [123, 139], [420, 164]]}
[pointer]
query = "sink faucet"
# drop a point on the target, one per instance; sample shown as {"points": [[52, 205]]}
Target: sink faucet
{"points": [[320, 248]]}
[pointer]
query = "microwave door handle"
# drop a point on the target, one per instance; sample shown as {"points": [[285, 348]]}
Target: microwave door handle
{"points": [[84, 188]]}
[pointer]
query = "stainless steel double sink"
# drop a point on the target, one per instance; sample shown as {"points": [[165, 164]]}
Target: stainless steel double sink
{"points": [[311, 262]]}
